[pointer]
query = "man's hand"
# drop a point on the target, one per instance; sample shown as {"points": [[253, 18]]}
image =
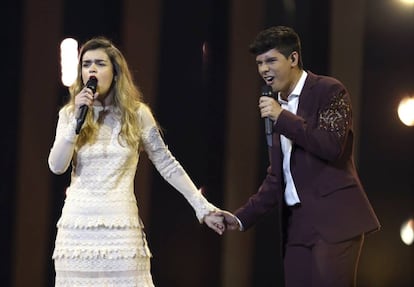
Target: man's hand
{"points": [[269, 107], [229, 219]]}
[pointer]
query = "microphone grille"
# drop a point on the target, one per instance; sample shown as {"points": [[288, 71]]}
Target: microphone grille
{"points": [[267, 91], [92, 83]]}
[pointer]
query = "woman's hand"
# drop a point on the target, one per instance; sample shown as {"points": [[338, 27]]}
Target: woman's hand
{"points": [[215, 222], [85, 97]]}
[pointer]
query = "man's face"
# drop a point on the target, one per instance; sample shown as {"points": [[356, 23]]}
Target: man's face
{"points": [[276, 70]]}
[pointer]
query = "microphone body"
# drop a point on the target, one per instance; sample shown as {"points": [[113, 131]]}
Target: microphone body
{"points": [[268, 92], [268, 126], [91, 84]]}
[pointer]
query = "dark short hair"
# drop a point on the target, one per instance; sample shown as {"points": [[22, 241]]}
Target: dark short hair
{"points": [[284, 39]]}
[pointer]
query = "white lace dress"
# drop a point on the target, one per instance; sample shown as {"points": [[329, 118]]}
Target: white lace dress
{"points": [[100, 239]]}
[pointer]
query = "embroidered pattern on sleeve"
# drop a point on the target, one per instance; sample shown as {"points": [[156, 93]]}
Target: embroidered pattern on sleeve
{"points": [[336, 117], [159, 153]]}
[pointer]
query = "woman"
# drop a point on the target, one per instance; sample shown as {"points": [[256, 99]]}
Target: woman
{"points": [[100, 239]]}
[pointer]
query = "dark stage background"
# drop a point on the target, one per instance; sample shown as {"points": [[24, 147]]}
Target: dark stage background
{"points": [[191, 61]]}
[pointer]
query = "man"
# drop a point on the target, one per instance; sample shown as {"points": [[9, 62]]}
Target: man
{"points": [[312, 178]]}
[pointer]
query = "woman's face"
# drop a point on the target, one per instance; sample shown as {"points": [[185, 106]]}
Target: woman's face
{"points": [[96, 63]]}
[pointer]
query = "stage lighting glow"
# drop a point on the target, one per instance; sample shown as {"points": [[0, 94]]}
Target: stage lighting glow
{"points": [[69, 60], [406, 111], [407, 232], [408, 2]]}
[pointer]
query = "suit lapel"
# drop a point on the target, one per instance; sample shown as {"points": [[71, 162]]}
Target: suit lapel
{"points": [[305, 97]]}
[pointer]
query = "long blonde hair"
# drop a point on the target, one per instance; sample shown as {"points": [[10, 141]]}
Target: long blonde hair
{"points": [[127, 97]]}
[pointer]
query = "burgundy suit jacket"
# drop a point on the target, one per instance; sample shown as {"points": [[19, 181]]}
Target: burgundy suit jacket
{"points": [[322, 165]]}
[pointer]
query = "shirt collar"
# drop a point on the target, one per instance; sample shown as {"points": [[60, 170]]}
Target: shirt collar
{"points": [[298, 88]]}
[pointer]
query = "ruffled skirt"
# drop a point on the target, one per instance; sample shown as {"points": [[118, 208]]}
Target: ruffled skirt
{"points": [[102, 256]]}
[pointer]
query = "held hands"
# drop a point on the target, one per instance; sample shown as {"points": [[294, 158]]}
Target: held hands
{"points": [[215, 222], [221, 220], [229, 219]]}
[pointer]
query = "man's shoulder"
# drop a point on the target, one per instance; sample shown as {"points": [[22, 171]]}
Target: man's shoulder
{"points": [[323, 79], [322, 84]]}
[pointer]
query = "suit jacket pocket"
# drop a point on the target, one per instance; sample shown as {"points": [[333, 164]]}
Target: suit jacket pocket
{"points": [[340, 182]]}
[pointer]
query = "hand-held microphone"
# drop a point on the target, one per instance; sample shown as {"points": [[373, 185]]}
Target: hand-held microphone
{"points": [[268, 92], [91, 84]]}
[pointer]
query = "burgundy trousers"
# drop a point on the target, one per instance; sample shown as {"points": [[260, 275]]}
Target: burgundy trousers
{"points": [[309, 261]]}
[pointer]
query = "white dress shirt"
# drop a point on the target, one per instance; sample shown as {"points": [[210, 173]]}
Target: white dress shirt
{"points": [[291, 194]]}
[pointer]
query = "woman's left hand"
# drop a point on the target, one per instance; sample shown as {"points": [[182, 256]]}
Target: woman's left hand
{"points": [[215, 222]]}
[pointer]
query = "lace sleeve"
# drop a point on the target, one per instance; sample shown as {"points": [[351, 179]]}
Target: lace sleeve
{"points": [[172, 171], [336, 117], [159, 153], [61, 152]]}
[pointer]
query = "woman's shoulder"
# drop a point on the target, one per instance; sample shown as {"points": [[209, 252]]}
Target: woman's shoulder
{"points": [[145, 115], [143, 108], [144, 111], [66, 111]]}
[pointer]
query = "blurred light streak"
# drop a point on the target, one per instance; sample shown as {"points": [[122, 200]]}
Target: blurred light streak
{"points": [[406, 111], [407, 2], [407, 231], [69, 61]]}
